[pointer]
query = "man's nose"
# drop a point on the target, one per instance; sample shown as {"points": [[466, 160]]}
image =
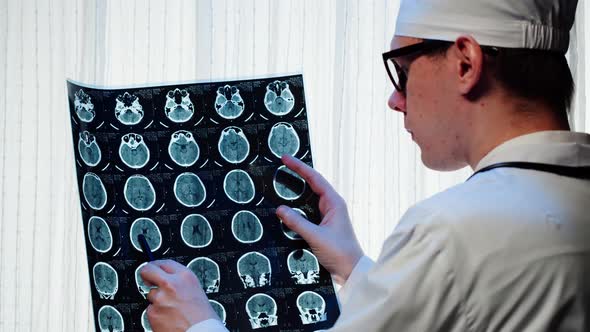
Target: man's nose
{"points": [[397, 101]]}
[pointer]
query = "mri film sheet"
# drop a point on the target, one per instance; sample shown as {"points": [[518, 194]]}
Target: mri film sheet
{"points": [[195, 168]]}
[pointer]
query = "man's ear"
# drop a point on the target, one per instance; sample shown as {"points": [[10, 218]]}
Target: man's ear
{"points": [[468, 63]]}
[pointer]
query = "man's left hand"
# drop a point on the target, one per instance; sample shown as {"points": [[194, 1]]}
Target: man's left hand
{"points": [[179, 301]]}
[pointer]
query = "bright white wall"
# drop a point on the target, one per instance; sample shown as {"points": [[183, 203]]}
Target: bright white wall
{"points": [[358, 144]]}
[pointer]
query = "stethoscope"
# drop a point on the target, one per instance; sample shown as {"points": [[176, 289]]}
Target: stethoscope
{"points": [[578, 172]]}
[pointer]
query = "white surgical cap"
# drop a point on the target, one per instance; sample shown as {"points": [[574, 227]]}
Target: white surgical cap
{"points": [[535, 24]]}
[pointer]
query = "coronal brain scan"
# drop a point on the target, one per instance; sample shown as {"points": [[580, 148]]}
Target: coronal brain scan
{"points": [[196, 231], [233, 145], [106, 280], [219, 310], [83, 106], [288, 232], [283, 139], [148, 228], [133, 151], [304, 267], [142, 287], [183, 148], [145, 323], [179, 107], [207, 271], [311, 307], [262, 310], [128, 110], [246, 227], [189, 189], [229, 103], [110, 319], [278, 98], [88, 149], [139, 193], [238, 186], [94, 191], [254, 270], [288, 184], [99, 234]]}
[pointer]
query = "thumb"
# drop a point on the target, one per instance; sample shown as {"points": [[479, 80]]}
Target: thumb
{"points": [[295, 221]]}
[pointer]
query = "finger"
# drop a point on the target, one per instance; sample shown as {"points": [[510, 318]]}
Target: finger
{"points": [[297, 223], [316, 181], [169, 265], [153, 295], [153, 275]]}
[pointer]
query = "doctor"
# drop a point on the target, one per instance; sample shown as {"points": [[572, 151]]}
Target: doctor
{"points": [[482, 83]]}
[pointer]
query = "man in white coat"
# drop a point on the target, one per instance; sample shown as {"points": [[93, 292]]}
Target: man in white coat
{"points": [[482, 83]]}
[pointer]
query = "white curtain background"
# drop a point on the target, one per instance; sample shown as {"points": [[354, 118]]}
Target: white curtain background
{"points": [[358, 144]]}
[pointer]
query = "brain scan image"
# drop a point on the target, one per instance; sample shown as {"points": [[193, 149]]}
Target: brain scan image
{"points": [[128, 110], [288, 184], [238, 186], [246, 227], [283, 139], [106, 280], [288, 232], [139, 193], [229, 103], [278, 98], [142, 287], [304, 267], [145, 323], [88, 149], [133, 151], [219, 310], [312, 307], [262, 310], [208, 273], [183, 148], [179, 107], [189, 189], [233, 145], [110, 319], [148, 228], [99, 234], [94, 191], [83, 106], [196, 231], [254, 270]]}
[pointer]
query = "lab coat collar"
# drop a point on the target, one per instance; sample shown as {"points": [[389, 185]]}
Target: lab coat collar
{"points": [[554, 147]]}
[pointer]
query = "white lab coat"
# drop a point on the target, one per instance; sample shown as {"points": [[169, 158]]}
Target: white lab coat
{"points": [[508, 250]]}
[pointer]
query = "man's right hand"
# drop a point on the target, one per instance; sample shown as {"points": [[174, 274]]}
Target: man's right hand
{"points": [[332, 241]]}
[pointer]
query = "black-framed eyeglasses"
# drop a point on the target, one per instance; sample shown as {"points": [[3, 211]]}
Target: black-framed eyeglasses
{"points": [[396, 72]]}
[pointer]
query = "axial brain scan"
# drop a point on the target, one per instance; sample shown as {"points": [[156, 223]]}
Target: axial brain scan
{"points": [[88, 149], [262, 310], [207, 271], [288, 232], [246, 227], [233, 145], [148, 228], [238, 186], [304, 267], [196, 231], [94, 191], [133, 151], [110, 319], [189, 189], [83, 106], [179, 107], [278, 98], [183, 148], [219, 310], [128, 110], [229, 103], [254, 270], [311, 307], [283, 139], [106, 280], [288, 184], [99, 234], [139, 193]]}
